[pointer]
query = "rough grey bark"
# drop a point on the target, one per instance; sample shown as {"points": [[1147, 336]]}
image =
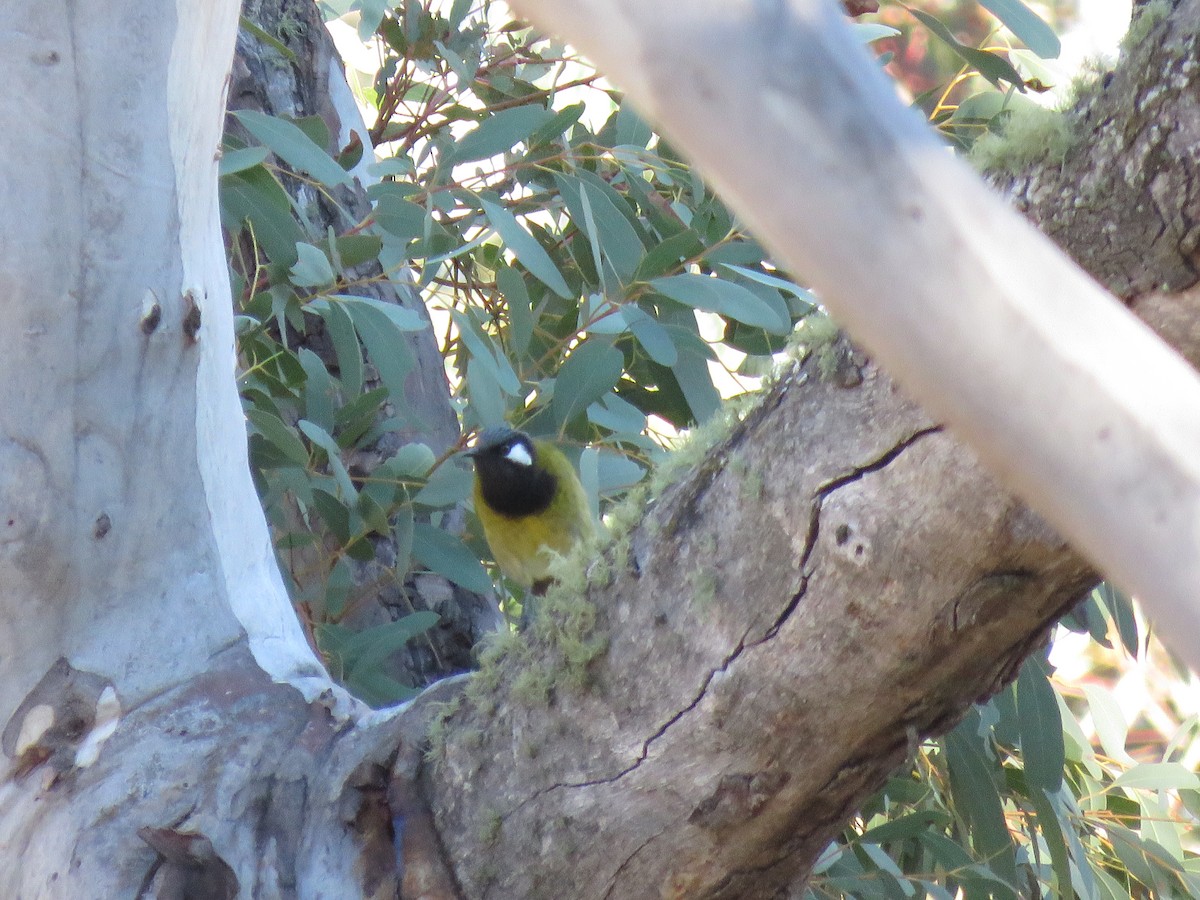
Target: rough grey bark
{"points": [[837, 579], [1125, 202], [770, 699], [313, 83]]}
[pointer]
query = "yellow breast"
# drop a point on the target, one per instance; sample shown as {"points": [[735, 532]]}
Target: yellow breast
{"points": [[525, 546]]}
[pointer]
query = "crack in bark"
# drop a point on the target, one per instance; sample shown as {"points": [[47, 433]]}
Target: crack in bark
{"points": [[859, 767], [658, 733], [822, 492], [810, 542], [616, 876], [818, 501]]}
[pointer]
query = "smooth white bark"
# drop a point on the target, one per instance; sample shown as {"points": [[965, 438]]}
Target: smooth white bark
{"points": [[135, 547], [143, 621], [1082, 410]]}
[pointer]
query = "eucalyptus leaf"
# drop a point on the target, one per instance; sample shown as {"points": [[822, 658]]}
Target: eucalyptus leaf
{"points": [[723, 297], [804, 295], [386, 344], [520, 312], [1027, 26], [293, 146], [1053, 828], [447, 555], [1158, 777], [279, 435], [617, 415], [239, 160], [401, 218], [1120, 608], [413, 460], [655, 339], [695, 381], [322, 439], [449, 484], [526, 248], [1041, 728], [345, 347], [971, 777], [595, 209], [312, 267], [908, 826], [1108, 721], [401, 318], [370, 14], [991, 66], [319, 391], [498, 133], [485, 355], [589, 372], [616, 472], [487, 400], [368, 648], [872, 31], [253, 195]]}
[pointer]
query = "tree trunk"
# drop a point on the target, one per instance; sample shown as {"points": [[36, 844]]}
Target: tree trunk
{"points": [[836, 578], [312, 82], [165, 721]]}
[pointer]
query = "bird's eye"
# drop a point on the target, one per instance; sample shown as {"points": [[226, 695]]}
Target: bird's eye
{"points": [[519, 454]]}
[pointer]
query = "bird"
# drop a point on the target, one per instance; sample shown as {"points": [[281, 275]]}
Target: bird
{"points": [[530, 502]]}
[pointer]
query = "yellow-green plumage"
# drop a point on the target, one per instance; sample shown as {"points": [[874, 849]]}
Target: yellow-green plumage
{"points": [[530, 511]]}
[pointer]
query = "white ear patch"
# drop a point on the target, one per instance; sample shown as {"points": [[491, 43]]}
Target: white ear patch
{"points": [[519, 454]]}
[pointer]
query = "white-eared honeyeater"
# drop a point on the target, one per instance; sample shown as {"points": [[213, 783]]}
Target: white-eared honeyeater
{"points": [[530, 503]]}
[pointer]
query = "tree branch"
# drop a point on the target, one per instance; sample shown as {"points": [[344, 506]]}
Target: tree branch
{"points": [[787, 625], [838, 578], [998, 349]]}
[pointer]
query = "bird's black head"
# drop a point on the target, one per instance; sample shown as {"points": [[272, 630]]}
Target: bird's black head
{"points": [[511, 478]]}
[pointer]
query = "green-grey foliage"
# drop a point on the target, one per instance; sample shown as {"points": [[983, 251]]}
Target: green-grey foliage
{"points": [[585, 285]]}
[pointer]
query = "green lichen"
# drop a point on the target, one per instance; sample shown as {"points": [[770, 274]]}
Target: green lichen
{"points": [[490, 825], [438, 731], [750, 483], [752, 487], [291, 28], [1144, 22], [816, 335], [532, 686], [567, 627], [1086, 82], [599, 573], [703, 585], [619, 523], [497, 648], [618, 554], [1029, 135], [470, 737]]}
